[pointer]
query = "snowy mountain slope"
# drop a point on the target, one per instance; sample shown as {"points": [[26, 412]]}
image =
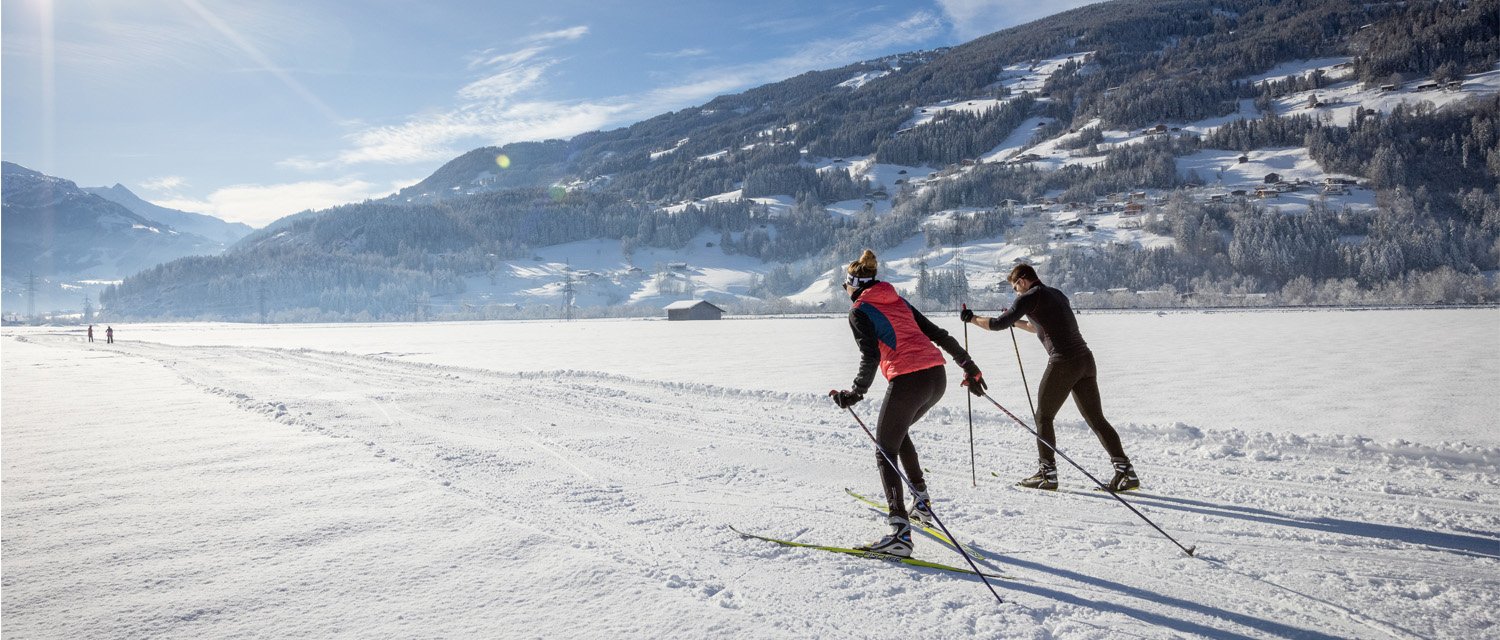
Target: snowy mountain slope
{"points": [[861, 79], [1016, 80], [1339, 102], [708, 273], [225, 233], [1220, 170], [75, 242], [276, 490]]}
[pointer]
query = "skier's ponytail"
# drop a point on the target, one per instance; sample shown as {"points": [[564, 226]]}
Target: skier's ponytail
{"points": [[864, 267]]}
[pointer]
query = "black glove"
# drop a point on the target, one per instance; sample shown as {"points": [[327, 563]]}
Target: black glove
{"points": [[966, 315], [974, 378], [846, 399]]}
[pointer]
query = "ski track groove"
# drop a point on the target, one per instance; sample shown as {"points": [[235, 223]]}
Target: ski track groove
{"points": [[625, 541]]}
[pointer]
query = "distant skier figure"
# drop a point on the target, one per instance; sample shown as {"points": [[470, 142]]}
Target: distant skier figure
{"points": [[109, 335], [91, 333], [1070, 370], [897, 337]]}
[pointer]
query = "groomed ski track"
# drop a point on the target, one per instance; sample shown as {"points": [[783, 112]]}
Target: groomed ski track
{"points": [[585, 503]]}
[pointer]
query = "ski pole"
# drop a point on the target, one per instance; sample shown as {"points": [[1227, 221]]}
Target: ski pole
{"points": [[973, 473], [1187, 550], [939, 522], [1024, 385]]}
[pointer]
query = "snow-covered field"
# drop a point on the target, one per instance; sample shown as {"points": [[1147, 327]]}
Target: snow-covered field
{"points": [[1336, 469]]}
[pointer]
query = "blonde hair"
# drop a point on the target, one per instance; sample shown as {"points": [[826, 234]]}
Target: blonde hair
{"points": [[864, 267]]}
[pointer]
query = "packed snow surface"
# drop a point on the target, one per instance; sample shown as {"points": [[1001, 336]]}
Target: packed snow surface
{"points": [[1336, 470]]}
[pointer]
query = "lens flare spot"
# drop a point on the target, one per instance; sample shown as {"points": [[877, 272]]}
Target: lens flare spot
{"points": [[503, 160], [557, 193]]}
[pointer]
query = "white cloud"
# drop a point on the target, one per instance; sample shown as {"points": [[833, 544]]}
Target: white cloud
{"points": [[693, 52], [571, 33], [501, 86], [492, 110], [164, 184], [506, 59], [305, 164], [260, 204], [974, 18]]}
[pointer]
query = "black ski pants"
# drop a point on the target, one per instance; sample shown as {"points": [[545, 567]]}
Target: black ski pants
{"points": [[907, 399], [1080, 377]]}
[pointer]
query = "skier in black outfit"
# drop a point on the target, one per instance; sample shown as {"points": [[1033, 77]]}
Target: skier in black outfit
{"points": [[1070, 369], [894, 335]]}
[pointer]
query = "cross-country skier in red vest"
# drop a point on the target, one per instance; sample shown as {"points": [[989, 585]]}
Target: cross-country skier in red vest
{"points": [[893, 334]]}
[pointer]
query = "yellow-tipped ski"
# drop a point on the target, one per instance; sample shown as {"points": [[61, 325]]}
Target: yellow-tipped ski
{"points": [[931, 531], [872, 555]]}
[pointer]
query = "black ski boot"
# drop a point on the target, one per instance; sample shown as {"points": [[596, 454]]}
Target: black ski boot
{"points": [[898, 543], [921, 509], [1125, 479], [1045, 477]]}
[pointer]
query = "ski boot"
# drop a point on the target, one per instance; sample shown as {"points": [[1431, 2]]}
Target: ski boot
{"points": [[1125, 479], [921, 509], [1045, 477], [898, 543]]}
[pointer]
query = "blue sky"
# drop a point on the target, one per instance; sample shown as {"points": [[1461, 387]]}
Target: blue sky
{"points": [[251, 111]]}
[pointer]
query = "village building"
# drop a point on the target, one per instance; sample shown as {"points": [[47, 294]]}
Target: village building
{"points": [[693, 310]]}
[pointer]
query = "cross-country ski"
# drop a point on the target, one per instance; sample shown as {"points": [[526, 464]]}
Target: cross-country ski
{"points": [[871, 555], [926, 528]]}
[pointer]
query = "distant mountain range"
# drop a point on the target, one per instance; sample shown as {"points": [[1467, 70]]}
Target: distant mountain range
{"points": [[69, 243], [1178, 151], [225, 233]]}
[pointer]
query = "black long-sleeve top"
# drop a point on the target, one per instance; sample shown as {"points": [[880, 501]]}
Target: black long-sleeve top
{"points": [[1052, 315]]}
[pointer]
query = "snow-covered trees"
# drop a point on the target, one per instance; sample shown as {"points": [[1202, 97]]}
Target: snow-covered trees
{"points": [[1436, 171]]}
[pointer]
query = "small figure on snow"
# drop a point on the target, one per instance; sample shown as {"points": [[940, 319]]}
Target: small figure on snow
{"points": [[109, 335], [1070, 370], [91, 333], [893, 334]]}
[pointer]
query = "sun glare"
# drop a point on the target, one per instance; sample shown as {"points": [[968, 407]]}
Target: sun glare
{"points": [[503, 160]]}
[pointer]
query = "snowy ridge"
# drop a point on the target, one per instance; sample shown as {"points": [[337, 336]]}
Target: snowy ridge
{"points": [[613, 489]]}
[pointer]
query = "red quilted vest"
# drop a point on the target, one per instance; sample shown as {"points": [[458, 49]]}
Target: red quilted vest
{"points": [[903, 346]]}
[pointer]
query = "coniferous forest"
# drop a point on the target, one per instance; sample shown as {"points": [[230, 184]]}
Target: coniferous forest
{"points": [[1433, 236]]}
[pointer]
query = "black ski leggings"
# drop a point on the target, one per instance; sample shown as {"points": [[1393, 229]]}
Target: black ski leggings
{"points": [[907, 399], [1078, 376]]}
